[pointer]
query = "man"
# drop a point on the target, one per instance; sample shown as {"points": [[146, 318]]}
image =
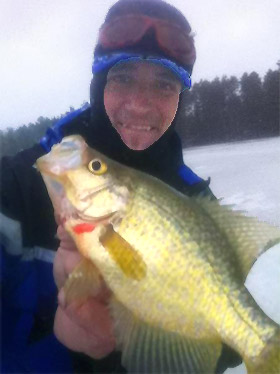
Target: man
{"points": [[142, 63]]}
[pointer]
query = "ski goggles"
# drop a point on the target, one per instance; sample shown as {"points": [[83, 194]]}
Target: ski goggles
{"points": [[127, 30], [106, 62]]}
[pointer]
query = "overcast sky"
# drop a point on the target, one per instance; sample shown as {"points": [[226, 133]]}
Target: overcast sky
{"points": [[46, 48]]}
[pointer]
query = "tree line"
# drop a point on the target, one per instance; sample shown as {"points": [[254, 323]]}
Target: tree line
{"points": [[228, 109], [222, 110]]}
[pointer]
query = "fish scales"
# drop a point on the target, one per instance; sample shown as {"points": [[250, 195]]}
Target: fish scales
{"points": [[184, 247], [176, 266]]}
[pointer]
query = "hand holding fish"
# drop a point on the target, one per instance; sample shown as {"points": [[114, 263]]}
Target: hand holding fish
{"points": [[81, 326]]}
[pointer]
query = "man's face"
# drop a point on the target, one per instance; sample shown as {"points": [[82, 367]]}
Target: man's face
{"points": [[141, 100]]}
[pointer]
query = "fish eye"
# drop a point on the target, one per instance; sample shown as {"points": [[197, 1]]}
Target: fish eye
{"points": [[97, 167]]}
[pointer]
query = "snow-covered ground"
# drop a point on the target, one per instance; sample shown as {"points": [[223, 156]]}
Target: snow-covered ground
{"points": [[247, 174]]}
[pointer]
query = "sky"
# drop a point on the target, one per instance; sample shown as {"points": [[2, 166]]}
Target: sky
{"points": [[46, 48]]}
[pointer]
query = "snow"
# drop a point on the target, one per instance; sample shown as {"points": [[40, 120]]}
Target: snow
{"points": [[247, 174]]}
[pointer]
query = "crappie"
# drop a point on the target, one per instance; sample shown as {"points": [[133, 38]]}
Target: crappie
{"points": [[176, 265]]}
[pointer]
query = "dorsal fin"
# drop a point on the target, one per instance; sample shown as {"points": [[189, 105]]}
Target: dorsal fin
{"points": [[248, 236]]}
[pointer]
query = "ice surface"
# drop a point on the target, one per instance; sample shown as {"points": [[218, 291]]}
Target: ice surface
{"points": [[247, 174]]}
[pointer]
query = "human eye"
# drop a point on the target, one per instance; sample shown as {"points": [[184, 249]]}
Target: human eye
{"points": [[166, 86]]}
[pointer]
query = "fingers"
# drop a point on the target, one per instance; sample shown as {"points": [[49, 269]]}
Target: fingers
{"points": [[85, 325], [79, 339], [59, 272], [85, 328], [66, 258], [57, 218], [65, 239]]}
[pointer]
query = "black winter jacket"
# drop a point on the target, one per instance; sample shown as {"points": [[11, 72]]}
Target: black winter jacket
{"points": [[24, 199]]}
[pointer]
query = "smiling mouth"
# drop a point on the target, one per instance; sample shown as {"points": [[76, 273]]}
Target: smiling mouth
{"points": [[139, 128]]}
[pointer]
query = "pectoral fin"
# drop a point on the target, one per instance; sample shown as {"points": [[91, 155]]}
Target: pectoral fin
{"points": [[127, 258], [149, 349], [84, 281]]}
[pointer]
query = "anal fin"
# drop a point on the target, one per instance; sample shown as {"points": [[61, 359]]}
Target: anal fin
{"points": [[150, 349]]}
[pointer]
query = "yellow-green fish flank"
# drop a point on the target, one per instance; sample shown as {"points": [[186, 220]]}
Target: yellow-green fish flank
{"points": [[176, 266]]}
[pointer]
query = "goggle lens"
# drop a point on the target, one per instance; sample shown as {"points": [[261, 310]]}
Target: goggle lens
{"points": [[174, 40], [118, 33], [128, 30]]}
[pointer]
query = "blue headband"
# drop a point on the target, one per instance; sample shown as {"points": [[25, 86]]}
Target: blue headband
{"points": [[107, 61]]}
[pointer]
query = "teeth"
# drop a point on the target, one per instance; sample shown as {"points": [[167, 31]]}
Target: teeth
{"points": [[133, 127]]}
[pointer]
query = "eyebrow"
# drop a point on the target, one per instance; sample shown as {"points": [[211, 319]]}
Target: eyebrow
{"points": [[123, 67]]}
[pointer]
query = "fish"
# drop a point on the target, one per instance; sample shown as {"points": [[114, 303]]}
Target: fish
{"points": [[175, 265]]}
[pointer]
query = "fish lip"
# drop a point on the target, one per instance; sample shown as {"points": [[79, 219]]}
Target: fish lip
{"points": [[99, 219], [106, 219]]}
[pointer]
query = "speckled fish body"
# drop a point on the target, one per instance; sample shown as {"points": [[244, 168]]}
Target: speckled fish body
{"points": [[176, 266]]}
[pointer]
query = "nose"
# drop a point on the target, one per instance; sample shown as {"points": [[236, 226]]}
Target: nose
{"points": [[140, 99]]}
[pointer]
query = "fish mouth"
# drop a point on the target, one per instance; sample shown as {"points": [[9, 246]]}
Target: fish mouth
{"points": [[78, 217], [67, 211], [73, 213], [101, 219]]}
